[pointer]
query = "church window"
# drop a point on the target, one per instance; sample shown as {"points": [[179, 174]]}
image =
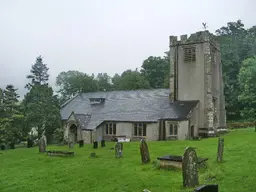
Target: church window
{"points": [[173, 129], [110, 128], [189, 54], [139, 129]]}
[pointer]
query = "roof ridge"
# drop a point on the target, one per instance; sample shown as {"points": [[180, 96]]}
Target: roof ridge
{"points": [[68, 101], [135, 90]]}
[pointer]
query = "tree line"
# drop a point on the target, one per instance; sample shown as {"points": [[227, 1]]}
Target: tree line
{"points": [[40, 107], [238, 51]]}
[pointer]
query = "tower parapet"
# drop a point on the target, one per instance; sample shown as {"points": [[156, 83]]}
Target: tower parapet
{"points": [[194, 38]]}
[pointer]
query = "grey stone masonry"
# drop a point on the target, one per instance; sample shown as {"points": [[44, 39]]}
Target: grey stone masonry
{"points": [[196, 74]]}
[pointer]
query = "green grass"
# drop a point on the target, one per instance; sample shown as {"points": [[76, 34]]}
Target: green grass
{"points": [[26, 170]]}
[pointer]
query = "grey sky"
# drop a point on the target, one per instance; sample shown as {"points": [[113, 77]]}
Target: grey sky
{"points": [[101, 35]]}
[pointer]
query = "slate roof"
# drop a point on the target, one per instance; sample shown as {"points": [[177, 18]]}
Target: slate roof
{"points": [[126, 106]]}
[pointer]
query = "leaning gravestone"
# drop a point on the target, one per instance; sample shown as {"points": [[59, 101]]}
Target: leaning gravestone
{"points": [[220, 149], [119, 150], [42, 145], [145, 158], [189, 168]]}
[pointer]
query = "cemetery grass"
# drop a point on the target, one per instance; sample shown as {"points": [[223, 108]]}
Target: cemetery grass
{"points": [[25, 169]]}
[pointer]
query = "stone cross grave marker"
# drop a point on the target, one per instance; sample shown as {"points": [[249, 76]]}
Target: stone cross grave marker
{"points": [[189, 168], [42, 145], [145, 158], [119, 150], [220, 149]]}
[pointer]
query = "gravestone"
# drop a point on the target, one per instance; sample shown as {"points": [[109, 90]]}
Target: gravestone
{"points": [[95, 145], [119, 150], [189, 168], [42, 145], [145, 158], [81, 143], [2, 147], [70, 142], [207, 188], [29, 143], [103, 143], [220, 149]]}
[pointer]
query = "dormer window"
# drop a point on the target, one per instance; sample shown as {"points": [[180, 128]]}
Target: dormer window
{"points": [[96, 100]]}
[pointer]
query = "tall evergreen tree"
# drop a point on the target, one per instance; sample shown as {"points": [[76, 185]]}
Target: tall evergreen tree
{"points": [[11, 117], [39, 73], [41, 106]]}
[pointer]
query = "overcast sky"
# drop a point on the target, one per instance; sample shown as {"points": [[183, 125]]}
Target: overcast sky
{"points": [[101, 35]]}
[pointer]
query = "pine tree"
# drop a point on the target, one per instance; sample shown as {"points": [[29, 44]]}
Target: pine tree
{"points": [[39, 73], [41, 108], [11, 117]]}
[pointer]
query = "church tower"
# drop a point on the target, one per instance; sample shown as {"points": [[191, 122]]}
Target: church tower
{"points": [[196, 74]]}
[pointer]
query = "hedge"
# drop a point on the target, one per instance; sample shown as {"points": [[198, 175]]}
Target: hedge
{"points": [[237, 125]]}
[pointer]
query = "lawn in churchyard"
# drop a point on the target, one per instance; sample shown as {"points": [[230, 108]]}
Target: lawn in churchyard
{"points": [[25, 169]]}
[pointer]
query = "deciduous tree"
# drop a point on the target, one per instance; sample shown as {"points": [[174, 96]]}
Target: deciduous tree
{"points": [[247, 83], [156, 71]]}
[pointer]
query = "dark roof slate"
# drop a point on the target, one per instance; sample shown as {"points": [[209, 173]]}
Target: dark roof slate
{"points": [[126, 106]]}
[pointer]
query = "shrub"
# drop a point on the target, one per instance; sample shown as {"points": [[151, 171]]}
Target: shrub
{"points": [[237, 125]]}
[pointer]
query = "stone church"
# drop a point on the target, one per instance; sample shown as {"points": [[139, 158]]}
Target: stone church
{"points": [[194, 105]]}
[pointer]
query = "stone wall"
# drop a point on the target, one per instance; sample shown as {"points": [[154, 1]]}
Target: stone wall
{"points": [[126, 129]]}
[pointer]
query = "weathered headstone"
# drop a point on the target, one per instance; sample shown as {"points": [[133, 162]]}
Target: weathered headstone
{"points": [[81, 143], [95, 145], [220, 149], [145, 157], [42, 145], [189, 168], [103, 143], [119, 150], [70, 142], [207, 188]]}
